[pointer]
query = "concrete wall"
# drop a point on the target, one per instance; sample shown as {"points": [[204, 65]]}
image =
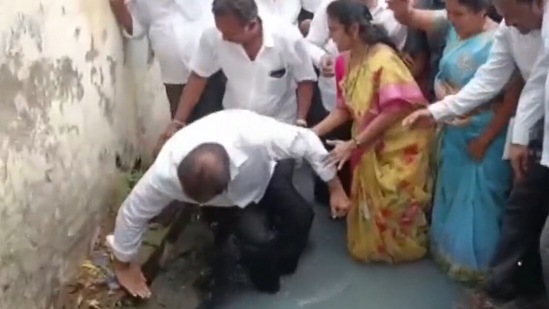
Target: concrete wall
{"points": [[72, 96]]}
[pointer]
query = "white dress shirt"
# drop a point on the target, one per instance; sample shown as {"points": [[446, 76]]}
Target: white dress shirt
{"points": [[251, 84], [511, 50], [173, 28], [287, 10], [254, 143]]}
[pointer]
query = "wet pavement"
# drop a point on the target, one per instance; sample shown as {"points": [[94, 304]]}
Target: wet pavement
{"points": [[327, 278]]}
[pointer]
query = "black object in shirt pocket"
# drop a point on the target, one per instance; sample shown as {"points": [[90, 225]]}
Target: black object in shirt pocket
{"points": [[278, 73]]}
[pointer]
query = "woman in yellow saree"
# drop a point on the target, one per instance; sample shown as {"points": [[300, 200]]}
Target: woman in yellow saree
{"points": [[390, 165]]}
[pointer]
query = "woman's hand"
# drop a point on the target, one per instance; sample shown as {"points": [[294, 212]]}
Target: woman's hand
{"points": [[477, 148], [341, 152]]}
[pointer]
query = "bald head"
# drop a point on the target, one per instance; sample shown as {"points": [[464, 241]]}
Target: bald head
{"points": [[205, 172]]}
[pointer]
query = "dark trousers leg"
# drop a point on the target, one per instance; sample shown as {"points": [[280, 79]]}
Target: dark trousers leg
{"points": [[210, 101], [250, 231], [316, 114], [222, 221], [522, 223], [292, 216], [256, 240], [273, 234]]}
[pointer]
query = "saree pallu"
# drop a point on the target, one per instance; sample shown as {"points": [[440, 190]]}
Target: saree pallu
{"points": [[470, 196], [390, 186]]}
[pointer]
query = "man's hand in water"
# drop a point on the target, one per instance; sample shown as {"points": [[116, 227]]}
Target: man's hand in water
{"points": [[170, 130], [421, 118], [339, 203], [131, 278]]}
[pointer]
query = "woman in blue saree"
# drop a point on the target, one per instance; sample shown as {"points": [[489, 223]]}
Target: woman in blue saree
{"points": [[472, 179]]}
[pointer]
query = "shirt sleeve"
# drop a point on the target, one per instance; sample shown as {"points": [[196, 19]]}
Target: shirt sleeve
{"points": [[285, 141], [298, 57], [531, 106], [318, 35], [310, 5], [205, 61], [488, 81], [144, 202], [139, 24]]}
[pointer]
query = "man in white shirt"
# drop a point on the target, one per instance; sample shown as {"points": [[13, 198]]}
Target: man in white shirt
{"points": [[236, 161], [287, 10], [262, 59], [173, 28], [517, 44]]}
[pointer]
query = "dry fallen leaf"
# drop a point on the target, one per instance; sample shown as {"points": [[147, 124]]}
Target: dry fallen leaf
{"points": [[79, 301], [94, 304]]}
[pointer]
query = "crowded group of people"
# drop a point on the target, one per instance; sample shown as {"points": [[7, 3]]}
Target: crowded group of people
{"points": [[423, 122]]}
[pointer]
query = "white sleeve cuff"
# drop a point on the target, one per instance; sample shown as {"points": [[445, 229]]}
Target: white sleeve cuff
{"points": [[326, 173], [124, 257], [440, 110], [521, 135]]}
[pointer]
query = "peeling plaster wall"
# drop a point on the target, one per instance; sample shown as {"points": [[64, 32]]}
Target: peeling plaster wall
{"points": [[73, 95]]}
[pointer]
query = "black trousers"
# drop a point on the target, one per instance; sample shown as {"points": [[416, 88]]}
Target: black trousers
{"points": [[316, 114], [270, 235], [516, 263], [210, 101]]}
